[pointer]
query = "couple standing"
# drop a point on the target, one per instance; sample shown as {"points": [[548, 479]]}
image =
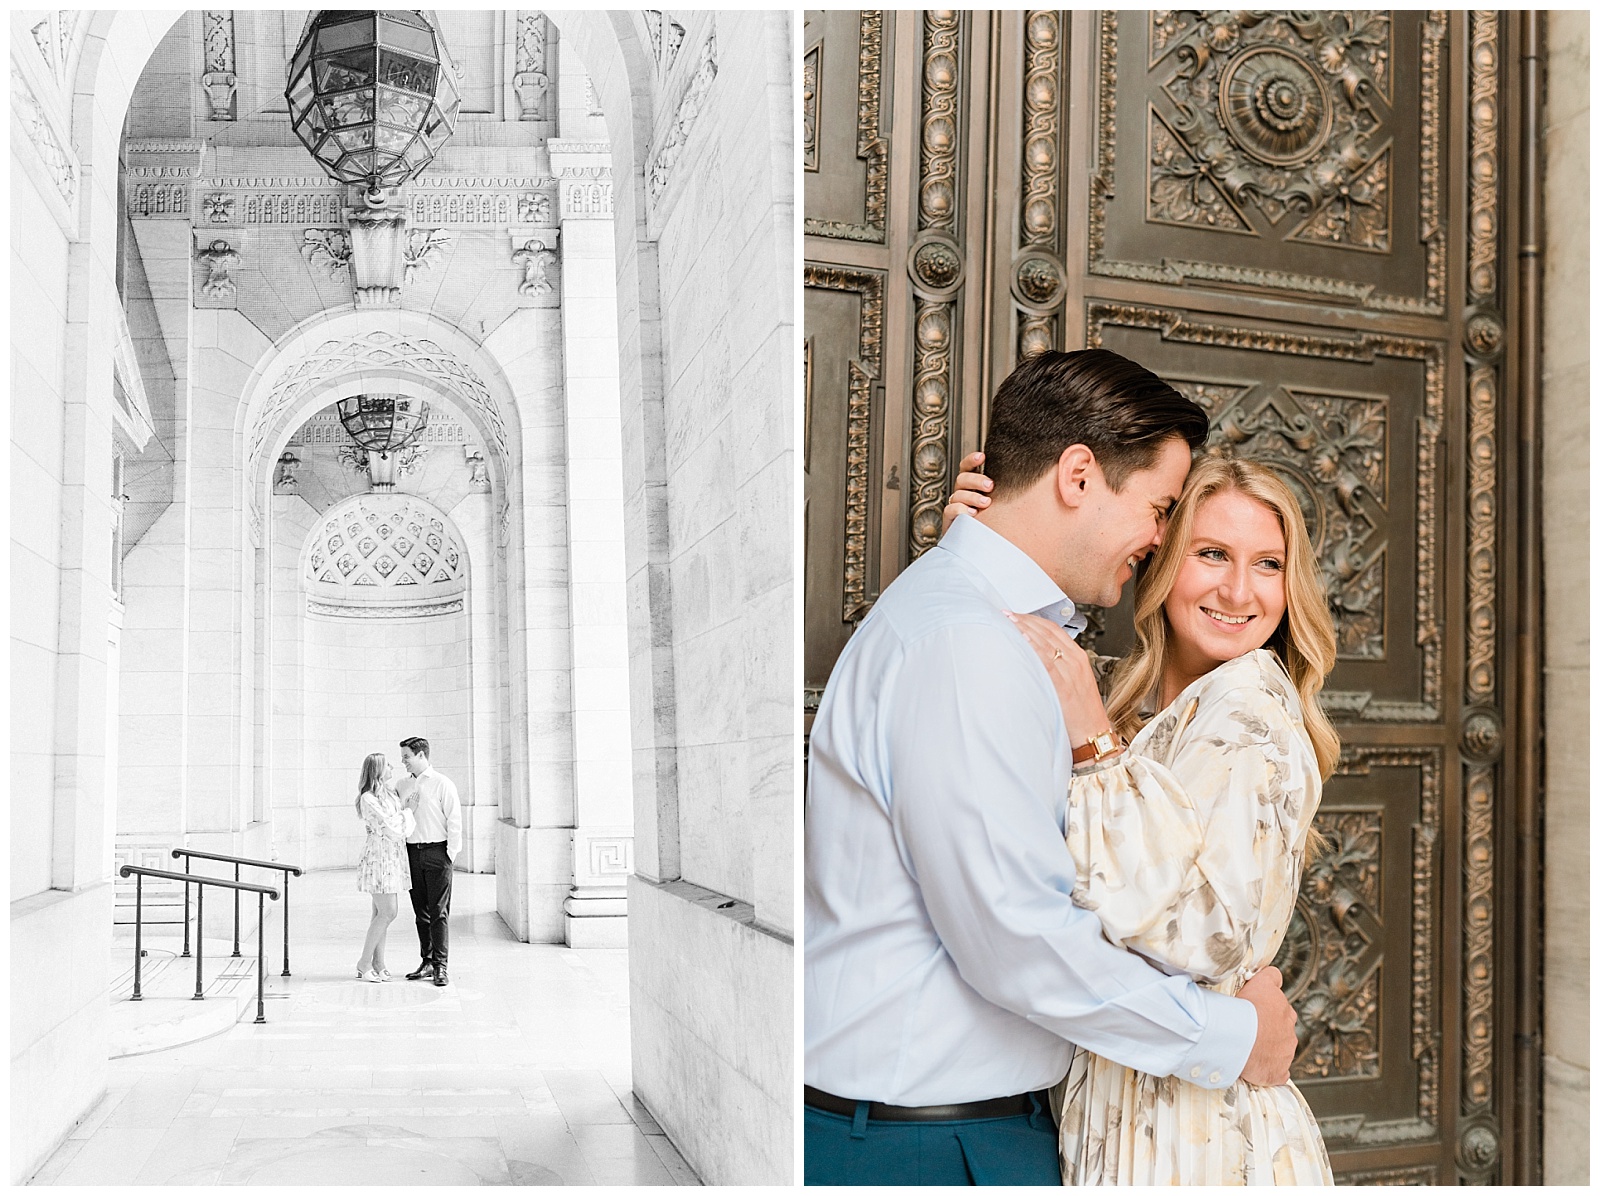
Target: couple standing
{"points": [[1039, 926], [413, 837]]}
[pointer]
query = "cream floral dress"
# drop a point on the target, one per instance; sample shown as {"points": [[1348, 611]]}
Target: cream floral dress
{"points": [[1189, 849], [383, 867]]}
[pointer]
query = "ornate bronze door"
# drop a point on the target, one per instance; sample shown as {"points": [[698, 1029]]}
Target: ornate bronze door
{"points": [[1308, 223]]}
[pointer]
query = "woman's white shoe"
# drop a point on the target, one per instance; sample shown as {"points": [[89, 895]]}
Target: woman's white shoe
{"points": [[372, 976], [383, 975]]}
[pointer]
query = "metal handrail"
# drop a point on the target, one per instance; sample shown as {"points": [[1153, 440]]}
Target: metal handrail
{"points": [[186, 854], [262, 892]]}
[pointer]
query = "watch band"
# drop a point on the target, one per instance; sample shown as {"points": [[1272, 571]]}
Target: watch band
{"points": [[1098, 748]]}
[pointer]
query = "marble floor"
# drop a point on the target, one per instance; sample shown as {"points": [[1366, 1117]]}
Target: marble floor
{"points": [[516, 1073]]}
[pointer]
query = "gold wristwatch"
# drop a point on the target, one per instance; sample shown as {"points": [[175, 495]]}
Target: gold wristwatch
{"points": [[1097, 749]]}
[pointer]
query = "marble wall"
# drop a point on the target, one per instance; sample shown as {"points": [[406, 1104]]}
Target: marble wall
{"points": [[1568, 791], [704, 216]]}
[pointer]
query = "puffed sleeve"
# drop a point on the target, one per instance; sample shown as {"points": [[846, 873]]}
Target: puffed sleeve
{"points": [[1195, 863], [379, 816]]}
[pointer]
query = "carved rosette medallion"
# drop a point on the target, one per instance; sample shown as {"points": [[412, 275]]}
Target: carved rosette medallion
{"points": [[1275, 105], [864, 371], [936, 266], [1484, 336], [1272, 124]]}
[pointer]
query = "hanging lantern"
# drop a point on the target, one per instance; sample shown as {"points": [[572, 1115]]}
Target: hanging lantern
{"points": [[383, 423], [372, 95]]}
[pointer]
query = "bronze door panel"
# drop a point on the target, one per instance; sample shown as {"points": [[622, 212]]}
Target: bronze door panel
{"points": [[1280, 151], [1352, 422]]}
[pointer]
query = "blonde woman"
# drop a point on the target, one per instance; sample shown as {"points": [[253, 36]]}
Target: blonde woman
{"points": [[382, 871], [1189, 841]]}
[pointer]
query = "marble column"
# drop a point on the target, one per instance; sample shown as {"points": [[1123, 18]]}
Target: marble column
{"points": [[602, 837]]}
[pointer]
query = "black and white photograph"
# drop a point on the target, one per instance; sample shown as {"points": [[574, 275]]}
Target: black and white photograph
{"points": [[403, 732]]}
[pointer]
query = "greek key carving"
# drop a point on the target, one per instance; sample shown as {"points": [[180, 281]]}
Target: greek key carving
{"points": [[864, 370], [871, 147], [1176, 327]]}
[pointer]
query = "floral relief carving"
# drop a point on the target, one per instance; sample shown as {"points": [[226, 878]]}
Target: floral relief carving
{"points": [[424, 247], [1334, 948], [810, 98], [1279, 113], [531, 80], [1181, 190], [663, 157], [327, 248], [1269, 157]]}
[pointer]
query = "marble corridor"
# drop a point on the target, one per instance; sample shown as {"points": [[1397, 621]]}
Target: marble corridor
{"points": [[517, 1073]]}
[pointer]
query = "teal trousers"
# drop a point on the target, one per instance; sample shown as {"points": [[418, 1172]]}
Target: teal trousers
{"points": [[843, 1150]]}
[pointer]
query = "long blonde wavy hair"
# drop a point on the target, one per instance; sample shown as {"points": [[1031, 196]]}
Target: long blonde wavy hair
{"points": [[1304, 640]]}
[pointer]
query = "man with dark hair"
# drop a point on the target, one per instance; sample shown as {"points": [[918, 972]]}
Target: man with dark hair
{"points": [[431, 849], [947, 971]]}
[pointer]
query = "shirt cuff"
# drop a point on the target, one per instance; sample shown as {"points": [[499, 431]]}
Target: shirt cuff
{"points": [[1216, 1060]]}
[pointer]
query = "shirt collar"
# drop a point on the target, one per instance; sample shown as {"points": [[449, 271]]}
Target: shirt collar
{"points": [[1022, 585]]}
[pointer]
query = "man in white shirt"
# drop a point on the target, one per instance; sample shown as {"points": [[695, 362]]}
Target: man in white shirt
{"points": [[947, 972], [431, 849]]}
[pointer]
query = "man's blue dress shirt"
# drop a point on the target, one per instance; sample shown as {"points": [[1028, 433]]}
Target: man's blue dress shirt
{"points": [[944, 959]]}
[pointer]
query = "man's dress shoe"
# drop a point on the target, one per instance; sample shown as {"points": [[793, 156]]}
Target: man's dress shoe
{"points": [[421, 971], [440, 977]]}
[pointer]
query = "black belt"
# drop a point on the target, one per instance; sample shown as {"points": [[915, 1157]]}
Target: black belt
{"points": [[436, 843], [1000, 1106]]}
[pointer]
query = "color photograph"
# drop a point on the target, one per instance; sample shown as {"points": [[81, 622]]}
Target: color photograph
{"points": [[1196, 683]]}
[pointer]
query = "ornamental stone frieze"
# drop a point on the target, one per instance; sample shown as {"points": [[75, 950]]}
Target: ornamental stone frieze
{"points": [[583, 173], [160, 178]]}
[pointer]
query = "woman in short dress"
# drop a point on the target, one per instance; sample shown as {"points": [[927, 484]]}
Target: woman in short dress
{"points": [[1189, 843], [383, 870]]}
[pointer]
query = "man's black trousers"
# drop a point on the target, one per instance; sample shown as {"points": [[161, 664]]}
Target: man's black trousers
{"points": [[430, 899]]}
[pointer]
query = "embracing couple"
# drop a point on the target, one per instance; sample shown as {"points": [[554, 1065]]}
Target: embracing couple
{"points": [[413, 838], [1040, 924]]}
